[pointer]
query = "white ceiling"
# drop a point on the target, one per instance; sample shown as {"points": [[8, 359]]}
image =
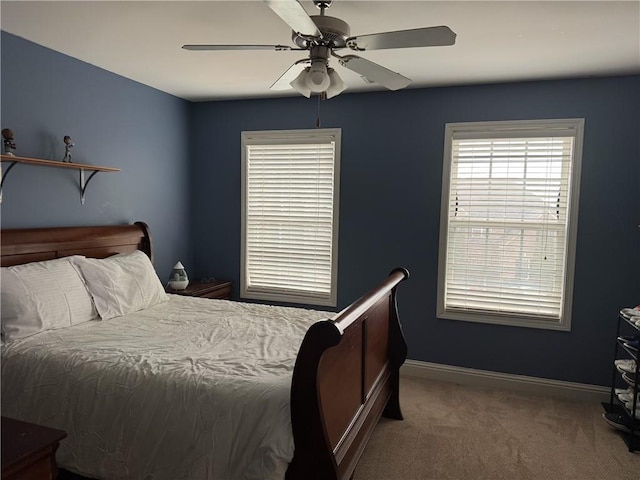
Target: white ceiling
{"points": [[499, 41]]}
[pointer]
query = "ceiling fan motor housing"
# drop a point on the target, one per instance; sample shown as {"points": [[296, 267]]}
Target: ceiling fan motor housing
{"points": [[334, 33]]}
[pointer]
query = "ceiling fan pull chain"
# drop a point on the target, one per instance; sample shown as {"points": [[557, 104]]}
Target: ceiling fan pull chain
{"points": [[318, 118]]}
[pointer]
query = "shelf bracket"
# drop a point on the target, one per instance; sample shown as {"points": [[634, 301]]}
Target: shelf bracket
{"points": [[83, 183], [3, 175]]}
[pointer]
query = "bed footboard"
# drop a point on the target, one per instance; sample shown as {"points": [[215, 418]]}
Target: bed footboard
{"points": [[345, 378]]}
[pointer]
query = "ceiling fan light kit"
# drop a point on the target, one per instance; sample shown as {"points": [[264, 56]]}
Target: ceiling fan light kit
{"points": [[337, 86], [321, 35], [317, 77], [300, 84]]}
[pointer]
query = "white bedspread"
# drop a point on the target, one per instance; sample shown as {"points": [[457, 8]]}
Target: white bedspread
{"points": [[188, 389]]}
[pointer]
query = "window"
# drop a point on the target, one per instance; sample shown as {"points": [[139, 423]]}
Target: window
{"points": [[509, 222], [290, 215]]}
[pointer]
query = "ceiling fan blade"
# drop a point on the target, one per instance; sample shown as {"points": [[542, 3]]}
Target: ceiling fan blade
{"points": [[284, 82], [418, 37], [237, 47], [295, 16], [374, 72]]}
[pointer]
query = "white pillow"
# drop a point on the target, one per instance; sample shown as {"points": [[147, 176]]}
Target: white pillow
{"points": [[122, 284], [43, 296]]}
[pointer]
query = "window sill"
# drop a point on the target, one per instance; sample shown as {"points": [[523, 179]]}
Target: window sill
{"points": [[512, 321], [283, 298]]}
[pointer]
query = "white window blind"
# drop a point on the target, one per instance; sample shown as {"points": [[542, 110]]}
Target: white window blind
{"points": [[290, 216], [509, 222]]}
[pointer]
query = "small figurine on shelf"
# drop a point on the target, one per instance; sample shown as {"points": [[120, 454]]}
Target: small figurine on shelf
{"points": [[68, 144], [9, 145]]}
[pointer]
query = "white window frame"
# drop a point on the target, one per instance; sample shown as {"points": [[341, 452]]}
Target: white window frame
{"points": [[283, 293], [513, 129]]}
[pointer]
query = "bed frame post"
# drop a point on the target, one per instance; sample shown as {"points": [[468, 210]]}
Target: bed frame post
{"points": [[345, 378], [146, 242], [397, 355], [312, 454]]}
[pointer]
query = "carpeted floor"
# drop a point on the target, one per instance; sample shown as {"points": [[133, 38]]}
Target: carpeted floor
{"points": [[451, 432]]}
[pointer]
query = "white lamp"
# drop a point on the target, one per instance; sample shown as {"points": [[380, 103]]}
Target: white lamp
{"points": [[317, 77], [300, 85], [179, 279], [336, 84]]}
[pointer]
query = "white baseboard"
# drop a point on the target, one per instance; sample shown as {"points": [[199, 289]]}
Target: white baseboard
{"points": [[495, 380]]}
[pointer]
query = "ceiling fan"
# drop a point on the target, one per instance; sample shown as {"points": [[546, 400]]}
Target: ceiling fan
{"points": [[321, 35]]}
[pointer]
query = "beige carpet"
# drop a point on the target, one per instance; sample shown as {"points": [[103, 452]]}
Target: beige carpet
{"points": [[451, 432]]}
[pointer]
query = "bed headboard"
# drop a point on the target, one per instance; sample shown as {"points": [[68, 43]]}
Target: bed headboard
{"points": [[24, 245]]}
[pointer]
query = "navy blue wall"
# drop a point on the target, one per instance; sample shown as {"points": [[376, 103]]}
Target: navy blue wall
{"points": [[114, 122], [391, 175]]}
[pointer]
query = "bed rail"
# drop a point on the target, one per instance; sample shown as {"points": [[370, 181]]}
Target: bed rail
{"points": [[345, 378]]}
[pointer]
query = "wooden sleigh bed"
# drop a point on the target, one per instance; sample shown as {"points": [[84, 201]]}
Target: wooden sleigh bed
{"points": [[346, 373]]}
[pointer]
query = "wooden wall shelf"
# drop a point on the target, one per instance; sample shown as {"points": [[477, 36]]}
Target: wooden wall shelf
{"points": [[55, 164]]}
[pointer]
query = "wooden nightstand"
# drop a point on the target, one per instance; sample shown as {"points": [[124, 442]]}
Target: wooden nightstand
{"points": [[28, 450], [219, 289]]}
